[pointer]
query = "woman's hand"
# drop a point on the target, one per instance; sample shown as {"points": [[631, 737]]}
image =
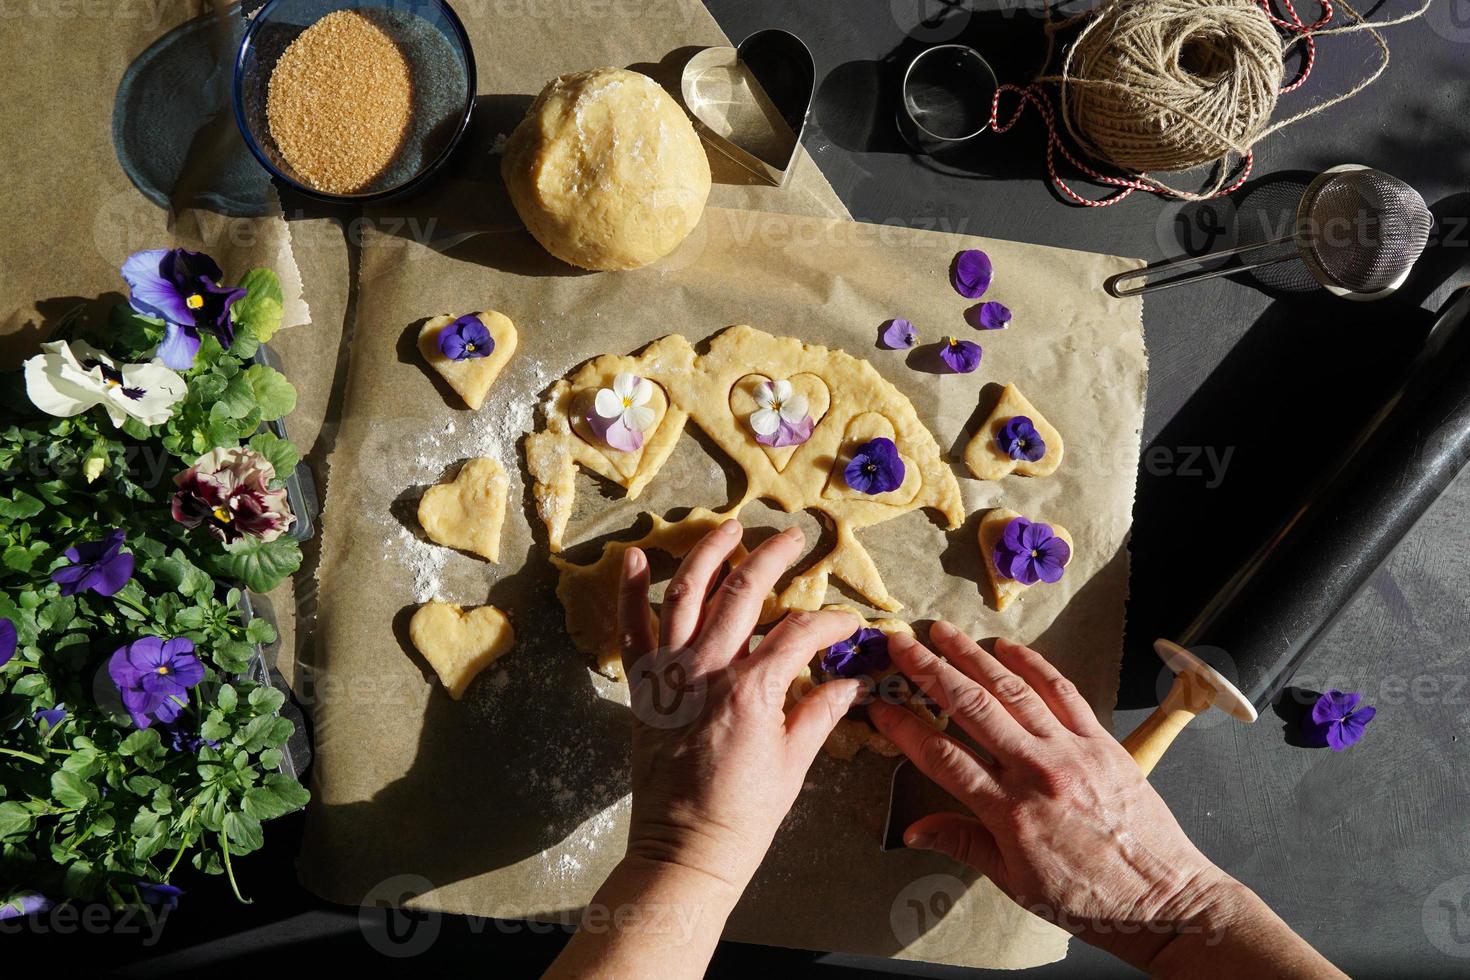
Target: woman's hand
{"points": [[1064, 822], [717, 762]]}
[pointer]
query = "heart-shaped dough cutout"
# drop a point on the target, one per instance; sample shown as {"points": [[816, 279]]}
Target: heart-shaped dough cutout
{"points": [[743, 403], [459, 643], [468, 512], [1005, 590], [473, 376], [624, 461], [988, 461], [862, 428]]}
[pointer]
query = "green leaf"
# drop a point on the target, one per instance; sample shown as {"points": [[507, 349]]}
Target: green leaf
{"points": [[227, 697], [282, 454], [244, 831], [261, 565], [71, 790], [20, 557], [260, 631], [21, 505], [56, 615], [273, 393], [233, 656], [261, 308], [15, 820], [262, 803], [236, 401], [288, 789], [183, 576]]}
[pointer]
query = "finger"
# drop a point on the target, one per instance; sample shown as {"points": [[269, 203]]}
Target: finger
{"points": [[635, 619], [1059, 694], [1020, 701], [944, 760], [793, 642], [958, 836], [812, 719], [970, 704], [736, 606], [684, 597]]}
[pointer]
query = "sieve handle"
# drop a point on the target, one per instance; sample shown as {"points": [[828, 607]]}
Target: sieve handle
{"points": [[1114, 284]]}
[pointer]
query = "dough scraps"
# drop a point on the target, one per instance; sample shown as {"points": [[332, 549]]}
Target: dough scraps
{"points": [[1004, 590], [988, 461], [702, 388], [459, 643], [473, 376], [854, 732], [468, 512]]}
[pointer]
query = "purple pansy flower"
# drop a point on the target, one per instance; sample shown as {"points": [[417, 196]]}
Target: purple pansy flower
{"points": [[181, 740], [863, 654], [9, 640], [25, 905], [1019, 439], [160, 894], [992, 316], [962, 356], [972, 273], [875, 467], [48, 718], [466, 338], [101, 566], [900, 335], [154, 675], [182, 289], [1029, 552], [1337, 721]]}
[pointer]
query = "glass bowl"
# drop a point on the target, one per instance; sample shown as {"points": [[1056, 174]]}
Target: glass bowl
{"points": [[442, 69]]}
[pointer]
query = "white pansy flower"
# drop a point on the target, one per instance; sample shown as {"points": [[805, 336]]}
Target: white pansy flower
{"points": [[67, 380], [777, 402], [627, 402]]}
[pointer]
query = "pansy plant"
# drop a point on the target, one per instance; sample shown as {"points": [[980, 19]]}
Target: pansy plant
{"points": [[621, 415], [782, 417], [181, 288], [68, 379]]}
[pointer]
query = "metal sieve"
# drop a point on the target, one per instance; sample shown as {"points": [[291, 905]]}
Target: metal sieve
{"points": [[1358, 232]]}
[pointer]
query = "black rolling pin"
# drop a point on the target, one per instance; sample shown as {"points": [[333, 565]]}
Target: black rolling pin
{"points": [[1286, 596]]}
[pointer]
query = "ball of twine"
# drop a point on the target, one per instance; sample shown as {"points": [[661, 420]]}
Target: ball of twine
{"points": [[1167, 85]]}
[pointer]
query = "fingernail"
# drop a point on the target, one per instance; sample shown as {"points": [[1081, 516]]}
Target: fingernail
{"points": [[732, 526], [942, 630], [632, 561], [920, 842], [794, 533]]}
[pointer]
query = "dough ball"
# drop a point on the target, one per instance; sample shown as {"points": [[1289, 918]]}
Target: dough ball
{"points": [[606, 170]]}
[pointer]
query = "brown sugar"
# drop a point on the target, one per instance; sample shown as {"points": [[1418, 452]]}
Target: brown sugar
{"points": [[340, 102]]}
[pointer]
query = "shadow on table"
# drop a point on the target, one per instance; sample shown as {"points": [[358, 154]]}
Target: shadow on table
{"points": [[1267, 424]]}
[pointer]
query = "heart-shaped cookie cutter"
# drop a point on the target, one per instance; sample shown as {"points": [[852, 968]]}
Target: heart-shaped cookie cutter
{"points": [[750, 102]]}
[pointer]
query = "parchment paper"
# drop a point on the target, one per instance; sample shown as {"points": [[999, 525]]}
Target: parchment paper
{"points": [[511, 803]]}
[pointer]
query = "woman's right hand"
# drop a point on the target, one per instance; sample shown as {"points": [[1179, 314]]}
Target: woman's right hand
{"points": [[1063, 820]]}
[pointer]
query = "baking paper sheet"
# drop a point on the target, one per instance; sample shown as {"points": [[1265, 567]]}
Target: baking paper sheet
{"points": [[512, 802]]}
